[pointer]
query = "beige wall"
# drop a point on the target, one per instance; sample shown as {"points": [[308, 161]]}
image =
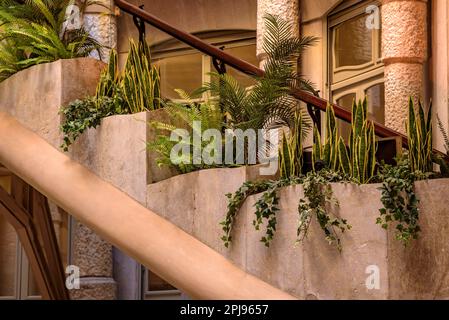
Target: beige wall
{"points": [[439, 66], [191, 16]]}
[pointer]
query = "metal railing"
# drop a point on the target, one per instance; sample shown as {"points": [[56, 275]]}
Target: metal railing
{"points": [[247, 68]]}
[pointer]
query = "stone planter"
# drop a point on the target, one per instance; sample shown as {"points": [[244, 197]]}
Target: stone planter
{"points": [[314, 269]]}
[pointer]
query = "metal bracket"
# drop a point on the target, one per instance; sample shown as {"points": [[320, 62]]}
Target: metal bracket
{"points": [[219, 65], [140, 25]]}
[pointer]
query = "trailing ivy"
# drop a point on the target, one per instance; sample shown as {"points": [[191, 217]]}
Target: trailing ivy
{"points": [[266, 208], [235, 202], [399, 199], [318, 196], [81, 115]]}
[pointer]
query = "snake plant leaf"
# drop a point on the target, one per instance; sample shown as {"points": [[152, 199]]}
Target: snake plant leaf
{"points": [[344, 157]]}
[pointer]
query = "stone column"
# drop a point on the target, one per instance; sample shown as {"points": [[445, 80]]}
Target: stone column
{"points": [[101, 22], [286, 9], [404, 47], [93, 257]]}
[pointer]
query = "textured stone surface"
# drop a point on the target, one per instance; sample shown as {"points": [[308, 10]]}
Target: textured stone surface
{"points": [[35, 95], [404, 29], [286, 9], [329, 274], [314, 269], [421, 271], [91, 254], [196, 202], [116, 152], [95, 289], [402, 81], [404, 50], [101, 23]]}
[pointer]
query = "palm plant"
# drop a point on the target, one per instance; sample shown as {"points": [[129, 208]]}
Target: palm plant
{"points": [[268, 102], [34, 32]]}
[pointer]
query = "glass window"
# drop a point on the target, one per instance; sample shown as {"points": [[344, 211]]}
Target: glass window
{"points": [[375, 96], [155, 283], [248, 54], [180, 72], [355, 68], [346, 102], [353, 43]]}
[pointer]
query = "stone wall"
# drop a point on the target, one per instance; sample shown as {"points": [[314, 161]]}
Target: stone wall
{"points": [[314, 269], [34, 97]]}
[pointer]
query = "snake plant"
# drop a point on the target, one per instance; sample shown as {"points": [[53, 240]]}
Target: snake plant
{"points": [[359, 160], [419, 132], [291, 151]]}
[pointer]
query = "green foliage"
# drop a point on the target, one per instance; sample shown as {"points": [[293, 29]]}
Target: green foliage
{"points": [[33, 32], [318, 195], [136, 89], [268, 101], [235, 202], [81, 115], [140, 81], [185, 114], [419, 131], [291, 150], [359, 160], [362, 146], [399, 199], [327, 153]]}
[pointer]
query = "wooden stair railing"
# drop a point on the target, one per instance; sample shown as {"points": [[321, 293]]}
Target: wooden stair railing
{"points": [[28, 212], [247, 68]]}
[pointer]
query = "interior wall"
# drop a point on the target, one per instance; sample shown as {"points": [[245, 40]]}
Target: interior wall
{"points": [[439, 66], [190, 16], [314, 23]]}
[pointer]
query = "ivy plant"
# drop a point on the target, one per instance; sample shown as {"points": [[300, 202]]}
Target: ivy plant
{"points": [[318, 195], [400, 200]]}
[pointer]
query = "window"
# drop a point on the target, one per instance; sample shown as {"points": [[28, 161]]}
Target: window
{"points": [[184, 68], [16, 278], [355, 67]]}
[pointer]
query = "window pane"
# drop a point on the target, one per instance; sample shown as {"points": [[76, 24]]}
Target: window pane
{"points": [[353, 43], [248, 54], [181, 72], [155, 283], [33, 290], [345, 102], [375, 96], [8, 251]]}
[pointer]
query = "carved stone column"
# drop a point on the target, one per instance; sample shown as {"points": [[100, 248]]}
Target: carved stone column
{"points": [[286, 9], [404, 44], [101, 22]]}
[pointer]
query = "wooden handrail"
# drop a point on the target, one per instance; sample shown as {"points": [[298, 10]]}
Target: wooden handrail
{"points": [[247, 68]]}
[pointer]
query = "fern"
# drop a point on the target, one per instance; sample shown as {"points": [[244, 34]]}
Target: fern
{"points": [[268, 103], [184, 116]]}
